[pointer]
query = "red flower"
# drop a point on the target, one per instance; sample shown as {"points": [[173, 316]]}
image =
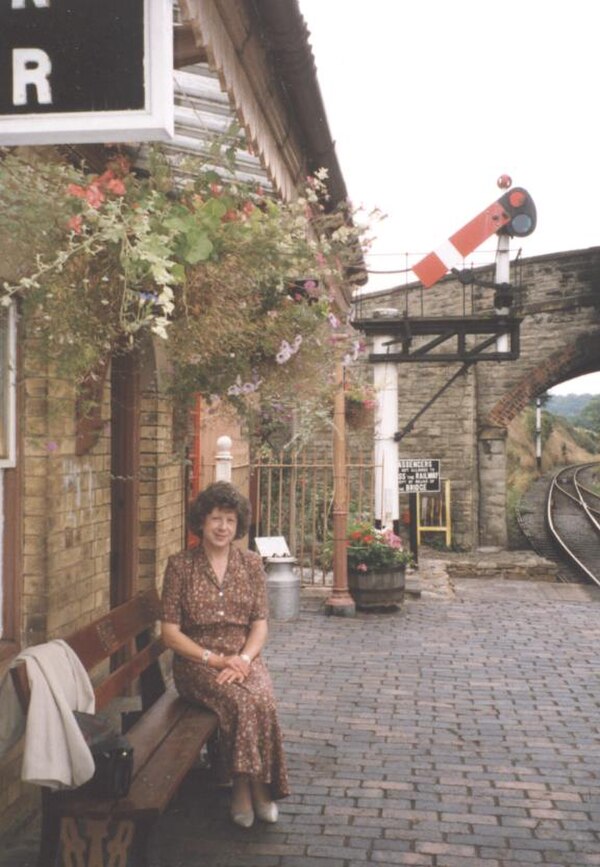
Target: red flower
{"points": [[356, 534]]}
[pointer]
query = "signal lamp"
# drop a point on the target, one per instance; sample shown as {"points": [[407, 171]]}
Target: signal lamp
{"points": [[520, 209]]}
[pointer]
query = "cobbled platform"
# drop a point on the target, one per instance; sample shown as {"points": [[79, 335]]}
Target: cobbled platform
{"points": [[462, 730]]}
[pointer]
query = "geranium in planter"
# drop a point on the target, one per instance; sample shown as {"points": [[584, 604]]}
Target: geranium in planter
{"points": [[376, 567]]}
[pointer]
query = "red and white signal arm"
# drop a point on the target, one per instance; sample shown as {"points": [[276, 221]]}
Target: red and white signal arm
{"points": [[512, 214], [85, 71]]}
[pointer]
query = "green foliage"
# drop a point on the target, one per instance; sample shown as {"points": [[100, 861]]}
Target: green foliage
{"points": [[103, 261], [568, 405], [584, 438], [589, 417]]}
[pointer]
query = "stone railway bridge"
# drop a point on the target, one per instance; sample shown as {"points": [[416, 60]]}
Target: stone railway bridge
{"points": [[558, 298]]}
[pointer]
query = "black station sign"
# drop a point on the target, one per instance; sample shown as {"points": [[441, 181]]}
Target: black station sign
{"points": [[85, 70], [419, 475]]}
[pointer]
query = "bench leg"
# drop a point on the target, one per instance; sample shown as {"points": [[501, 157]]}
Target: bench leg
{"points": [[50, 831], [82, 841]]}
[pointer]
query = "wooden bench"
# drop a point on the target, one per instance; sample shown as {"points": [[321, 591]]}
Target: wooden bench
{"points": [[167, 738]]}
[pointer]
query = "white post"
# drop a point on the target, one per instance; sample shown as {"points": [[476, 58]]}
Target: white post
{"points": [[223, 459], [502, 275], [385, 377]]}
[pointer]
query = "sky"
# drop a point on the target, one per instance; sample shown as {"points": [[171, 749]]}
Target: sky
{"points": [[429, 102]]}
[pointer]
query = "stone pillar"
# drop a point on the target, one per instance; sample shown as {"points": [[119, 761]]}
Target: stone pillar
{"points": [[492, 487]]}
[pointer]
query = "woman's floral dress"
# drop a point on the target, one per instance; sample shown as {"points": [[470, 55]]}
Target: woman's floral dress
{"points": [[218, 617]]}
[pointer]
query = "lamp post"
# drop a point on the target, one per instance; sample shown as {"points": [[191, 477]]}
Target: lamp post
{"points": [[340, 602], [538, 433]]}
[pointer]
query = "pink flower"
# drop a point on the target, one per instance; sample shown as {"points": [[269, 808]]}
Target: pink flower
{"points": [[76, 190], [74, 224], [362, 567], [116, 186], [392, 540], [94, 196]]}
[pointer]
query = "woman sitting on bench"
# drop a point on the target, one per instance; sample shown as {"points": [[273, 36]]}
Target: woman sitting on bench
{"points": [[215, 620]]}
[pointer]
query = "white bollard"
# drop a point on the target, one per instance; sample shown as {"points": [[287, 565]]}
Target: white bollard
{"points": [[223, 459]]}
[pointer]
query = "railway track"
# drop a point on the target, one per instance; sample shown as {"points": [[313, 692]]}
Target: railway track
{"points": [[573, 516]]}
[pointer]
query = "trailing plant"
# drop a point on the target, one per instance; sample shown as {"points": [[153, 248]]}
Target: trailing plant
{"points": [[239, 286]]}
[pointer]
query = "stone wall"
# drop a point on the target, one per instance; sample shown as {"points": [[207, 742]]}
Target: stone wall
{"points": [[558, 296]]}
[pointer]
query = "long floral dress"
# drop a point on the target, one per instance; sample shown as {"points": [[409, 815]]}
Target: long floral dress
{"points": [[219, 617]]}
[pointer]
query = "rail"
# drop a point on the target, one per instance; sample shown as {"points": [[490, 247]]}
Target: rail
{"points": [[573, 520]]}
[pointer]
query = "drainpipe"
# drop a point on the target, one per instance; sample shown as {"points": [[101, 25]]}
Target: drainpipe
{"points": [[340, 602]]}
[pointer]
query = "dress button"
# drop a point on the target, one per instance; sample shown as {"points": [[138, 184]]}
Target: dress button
{"points": [[220, 592], [222, 613]]}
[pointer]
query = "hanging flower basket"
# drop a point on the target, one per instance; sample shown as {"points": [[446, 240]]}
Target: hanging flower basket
{"points": [[359, 414]]}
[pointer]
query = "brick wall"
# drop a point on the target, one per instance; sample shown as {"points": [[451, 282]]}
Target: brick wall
{"points": [[66, 520]]}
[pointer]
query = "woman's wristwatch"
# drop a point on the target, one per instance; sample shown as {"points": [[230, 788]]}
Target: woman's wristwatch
{"points": [[246, 658], [206, 655]]}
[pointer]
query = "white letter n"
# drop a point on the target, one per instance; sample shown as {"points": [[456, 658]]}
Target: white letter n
{"points": [[36, 73]]}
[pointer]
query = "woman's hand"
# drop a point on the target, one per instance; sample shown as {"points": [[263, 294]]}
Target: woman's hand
{"points": [[234, 669]]}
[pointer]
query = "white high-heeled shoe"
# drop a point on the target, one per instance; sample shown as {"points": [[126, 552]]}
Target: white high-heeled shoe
{"points": [[267, 811], [244, 819]]}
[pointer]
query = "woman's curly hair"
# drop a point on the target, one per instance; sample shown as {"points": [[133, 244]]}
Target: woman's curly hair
{"points": [[220, 495]]}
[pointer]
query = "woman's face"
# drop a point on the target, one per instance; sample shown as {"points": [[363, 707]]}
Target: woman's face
{"points": [[219, 528]]}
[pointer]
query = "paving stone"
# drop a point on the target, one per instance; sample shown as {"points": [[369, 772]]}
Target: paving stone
{"points": [[460, 731]]}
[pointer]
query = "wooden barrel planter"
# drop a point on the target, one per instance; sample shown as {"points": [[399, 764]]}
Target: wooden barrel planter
{"points": [[377, 590]]}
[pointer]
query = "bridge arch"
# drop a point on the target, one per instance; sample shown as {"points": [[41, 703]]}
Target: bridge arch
{"points": [[577, 359]]}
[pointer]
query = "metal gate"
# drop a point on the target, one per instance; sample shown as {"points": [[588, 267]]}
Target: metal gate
{"points": [[292, 496]]}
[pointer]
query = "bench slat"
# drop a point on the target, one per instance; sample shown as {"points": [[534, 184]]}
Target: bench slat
{"points": [[146, 737], [114, 630], [159, 779], [114, 684], [155, 725]]}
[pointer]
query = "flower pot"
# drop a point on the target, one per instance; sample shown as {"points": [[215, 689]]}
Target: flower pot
{"points": [[377, 589]]}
